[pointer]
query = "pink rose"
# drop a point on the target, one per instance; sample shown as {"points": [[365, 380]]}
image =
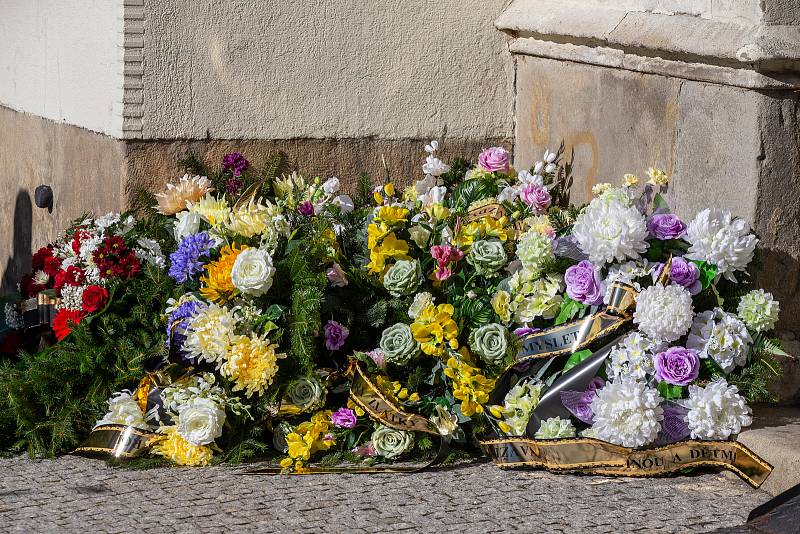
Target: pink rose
{"points": [[495, 159], [536, 197], [336, 276]]}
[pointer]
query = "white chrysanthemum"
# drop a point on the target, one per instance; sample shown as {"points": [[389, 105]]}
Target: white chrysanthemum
{"points": [[759, 310], [721, 336], [632, 357], [72, 297], [13, 316], [721, 240], [41, 278], [609, 231], [88, 246], [627, 412], [716, 411], [150, 251], [535, 251], [123, 410], [534, 297], [421, 301], [555, 428], [210, 333], [664, 313]]}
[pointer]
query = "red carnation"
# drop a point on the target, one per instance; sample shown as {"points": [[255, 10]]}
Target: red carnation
{"points": [[94, 298], [29, 287], [65, 320], [77, 240], [74, 276], [51, 266], [39, 259]]}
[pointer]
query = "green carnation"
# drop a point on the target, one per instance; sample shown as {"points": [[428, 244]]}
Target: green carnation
{"points": [[391, 443], [759, 310], [308, 393], [490, 342], [535, 251], [398, 344], [555, 428], [402, 278], [487, 256]]}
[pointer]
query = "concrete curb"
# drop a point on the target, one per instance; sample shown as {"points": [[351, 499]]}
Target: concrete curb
{"points": [[775, 436]]}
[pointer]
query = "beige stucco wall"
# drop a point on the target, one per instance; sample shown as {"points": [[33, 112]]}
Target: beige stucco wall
{"points": [[333, 69]]}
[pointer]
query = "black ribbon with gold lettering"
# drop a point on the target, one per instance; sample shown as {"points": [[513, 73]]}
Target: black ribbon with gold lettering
{"points": [[591, 456], [365, 394]]}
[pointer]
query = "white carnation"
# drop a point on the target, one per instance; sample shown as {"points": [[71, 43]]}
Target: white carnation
{"points": [[123, 410], [609, 231], [717, 238], [721, 336], [632, 357], [88, 246], [555, 428], [421, 301], [150, 251], [106, 221], [626, 273], [759, 310], [664, 313], [200, 421], [627, 412], [252, 272], [716, 411], [434, 166]]}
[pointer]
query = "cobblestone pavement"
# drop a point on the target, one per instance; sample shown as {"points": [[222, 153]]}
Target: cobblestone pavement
{"points": [[76, 494]]}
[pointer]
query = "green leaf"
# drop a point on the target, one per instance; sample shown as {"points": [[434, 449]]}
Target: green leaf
{"points": [[273, 313], [708, 272], [659, 203], [576, 358], [669, 391], [569, 309]]}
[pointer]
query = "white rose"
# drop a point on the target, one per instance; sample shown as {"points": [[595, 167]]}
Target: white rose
{"points": [[200, 421], [123, 410], [331, 185], [252, 272], [186, 224]]}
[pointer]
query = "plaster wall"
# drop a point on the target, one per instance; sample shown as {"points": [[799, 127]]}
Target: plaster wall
{"points": [[63, 61], [401, 69]]}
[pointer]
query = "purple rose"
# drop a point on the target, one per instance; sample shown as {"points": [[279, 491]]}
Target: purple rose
{"points": [[344, 418], [583, 283], [335, 335], [666, 226], [677, 365], [495, 159], [579, 403], [684, 273], [536, 197], [306, 208]]}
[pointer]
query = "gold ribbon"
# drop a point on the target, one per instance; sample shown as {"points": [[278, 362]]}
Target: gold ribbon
{"points": [[591, 456], [365, 394], [119, 442]]}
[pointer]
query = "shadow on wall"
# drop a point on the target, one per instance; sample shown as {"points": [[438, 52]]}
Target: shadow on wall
{"points": [[19, 262]]}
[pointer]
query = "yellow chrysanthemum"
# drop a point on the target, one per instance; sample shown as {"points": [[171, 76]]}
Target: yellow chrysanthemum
{"points": [[285, 187], [392, 215], [214, 210], [469, 386], [389, 248], [251, 364], [540, 224], [176, 196], [657, 177], [434, 327], [176, 449], [217, 283], [630, 180], [251, 219]]}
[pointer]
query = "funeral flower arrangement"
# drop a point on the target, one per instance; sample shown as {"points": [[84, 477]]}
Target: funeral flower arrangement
{"points": [[278, 298]]}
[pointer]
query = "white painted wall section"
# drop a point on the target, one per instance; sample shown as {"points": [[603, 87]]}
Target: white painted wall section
{"points": [[62, 60]]}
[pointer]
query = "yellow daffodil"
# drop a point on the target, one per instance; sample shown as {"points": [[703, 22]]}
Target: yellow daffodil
{"points": [[389, 248], [434, 329], [392, 215], [469, 386]]}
